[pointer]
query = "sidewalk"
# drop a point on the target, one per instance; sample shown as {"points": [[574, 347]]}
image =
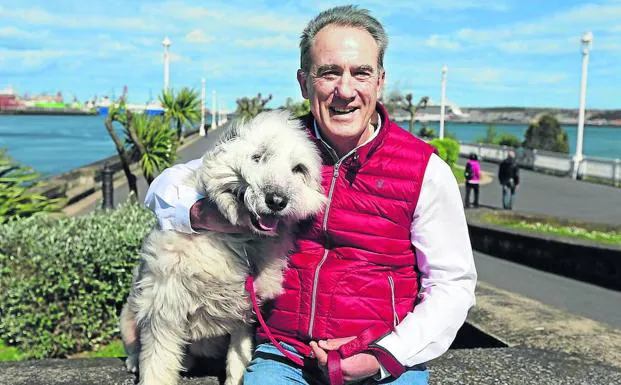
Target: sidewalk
{"points": [[560, 197]]}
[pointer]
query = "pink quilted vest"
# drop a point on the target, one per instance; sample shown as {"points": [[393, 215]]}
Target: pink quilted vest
{"points": [[353, 273]]}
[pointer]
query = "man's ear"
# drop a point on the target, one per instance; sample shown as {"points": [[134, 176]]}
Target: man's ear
{"points": [[380, 83], [302, 82]]}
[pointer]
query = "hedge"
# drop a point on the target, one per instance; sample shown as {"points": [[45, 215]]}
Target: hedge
{"points": [[448, 149], [64, 280]]}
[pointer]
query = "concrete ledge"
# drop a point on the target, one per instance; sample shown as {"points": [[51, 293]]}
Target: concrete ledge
{"points": [[582, 260], [508, 366], [546, 346]]}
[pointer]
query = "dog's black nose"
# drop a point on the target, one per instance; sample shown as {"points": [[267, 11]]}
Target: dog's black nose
{"points": [[276, 202]]}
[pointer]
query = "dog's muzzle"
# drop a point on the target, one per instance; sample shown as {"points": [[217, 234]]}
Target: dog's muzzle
{"points": [[276, 202]]}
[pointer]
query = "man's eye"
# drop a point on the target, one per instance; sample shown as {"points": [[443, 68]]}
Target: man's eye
{"points": [[362, 75]]}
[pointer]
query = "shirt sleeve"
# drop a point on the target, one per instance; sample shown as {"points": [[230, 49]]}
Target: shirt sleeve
{"points": [[170, 198], [448, 276]]}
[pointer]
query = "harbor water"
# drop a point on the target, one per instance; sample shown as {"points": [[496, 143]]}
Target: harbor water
{"points": [[56, 144]]}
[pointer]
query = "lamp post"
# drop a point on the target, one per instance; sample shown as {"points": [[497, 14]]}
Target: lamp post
{"points": [[586, 41], [201, 130], [443, 102], [166, 44], [214, 124]]}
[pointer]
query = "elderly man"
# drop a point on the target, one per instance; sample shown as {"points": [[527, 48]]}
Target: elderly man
{"points": [[381, 282]]}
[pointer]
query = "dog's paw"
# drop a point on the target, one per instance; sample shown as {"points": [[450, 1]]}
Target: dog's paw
{"points": [[131, 363]]}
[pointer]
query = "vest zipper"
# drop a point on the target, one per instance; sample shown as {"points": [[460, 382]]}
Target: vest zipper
{"points": [[395, 316], [335, 175]]}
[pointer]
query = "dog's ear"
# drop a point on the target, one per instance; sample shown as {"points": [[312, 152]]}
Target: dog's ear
{"points": [[232, 132]]}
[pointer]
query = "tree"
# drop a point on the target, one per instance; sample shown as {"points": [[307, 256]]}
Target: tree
{"points": [[546, 134], [506, 139], [490, 135], [118, 113], [426, 132], [182, 109], [248, 108], [412, 109], [148, 139], [19, 186], [153, 142], [297, 109], [394, 101]]}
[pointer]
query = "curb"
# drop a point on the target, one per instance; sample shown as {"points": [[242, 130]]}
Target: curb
{"points": [[596, 264]]}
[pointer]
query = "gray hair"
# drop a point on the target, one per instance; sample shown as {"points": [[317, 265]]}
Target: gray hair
{"points": [[344, 16]]}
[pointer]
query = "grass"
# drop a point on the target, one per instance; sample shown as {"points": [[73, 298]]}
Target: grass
{"points": [[10, 353], [114, 349], [611, 237], [458, 171]]}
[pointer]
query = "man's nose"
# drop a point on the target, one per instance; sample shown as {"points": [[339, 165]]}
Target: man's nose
{"points": [[346, 88]]}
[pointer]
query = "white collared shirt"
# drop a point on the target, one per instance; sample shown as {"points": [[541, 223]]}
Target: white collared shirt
{"points": [[439, 234]]}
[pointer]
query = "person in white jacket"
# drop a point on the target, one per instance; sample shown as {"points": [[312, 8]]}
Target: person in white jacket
{"points": [[342, 74]]}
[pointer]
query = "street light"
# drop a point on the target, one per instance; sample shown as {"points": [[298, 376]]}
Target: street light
{"points": [[214, 123], [166, 44], [201, 130], [443, 102], [586, 41]]}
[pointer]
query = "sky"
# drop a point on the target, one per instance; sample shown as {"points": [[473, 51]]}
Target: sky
{"points": [[498, 52]]}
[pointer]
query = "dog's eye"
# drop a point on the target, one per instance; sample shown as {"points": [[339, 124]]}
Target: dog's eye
{"points": [[300, 169], [256, 158]]}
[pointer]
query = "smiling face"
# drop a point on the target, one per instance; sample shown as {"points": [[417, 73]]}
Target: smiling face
{"points": [[343, 85]]}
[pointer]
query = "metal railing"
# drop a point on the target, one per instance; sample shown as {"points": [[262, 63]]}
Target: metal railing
{"points": [[608, 170]]}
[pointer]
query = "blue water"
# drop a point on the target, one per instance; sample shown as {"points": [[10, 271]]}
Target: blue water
{"points": [[56, 144], [599, 141]]}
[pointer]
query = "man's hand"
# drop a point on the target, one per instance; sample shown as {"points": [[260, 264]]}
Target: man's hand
{"points": [[355, 368], [204, 215]]}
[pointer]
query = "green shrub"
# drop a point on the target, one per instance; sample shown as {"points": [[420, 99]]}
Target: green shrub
{"points": [[64, 280], [448, 149], [426, 132], [510, 140], [18, 191]]}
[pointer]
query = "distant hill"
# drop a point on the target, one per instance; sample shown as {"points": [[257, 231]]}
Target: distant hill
{"points": [[527, 114]]}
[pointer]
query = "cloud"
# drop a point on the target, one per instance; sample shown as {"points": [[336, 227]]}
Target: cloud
{"points": [[226, 17], [37, 16], [424, 7], [279, 41], [441, 42], [197, 36], [15, 33]]}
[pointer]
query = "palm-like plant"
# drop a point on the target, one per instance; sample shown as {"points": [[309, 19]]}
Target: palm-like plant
{"points": [[248, 108], [154, 142], [182, 109], [18, 195]]}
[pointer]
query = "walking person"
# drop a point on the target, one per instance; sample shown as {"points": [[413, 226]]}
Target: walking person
{"points": [[472, 173], [509, 178], [373, 289]]}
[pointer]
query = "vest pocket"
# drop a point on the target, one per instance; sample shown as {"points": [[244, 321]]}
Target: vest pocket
{"points": [[395, 316]]}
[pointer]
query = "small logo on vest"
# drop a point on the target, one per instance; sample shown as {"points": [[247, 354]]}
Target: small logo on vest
{"points": [[379, 183]]}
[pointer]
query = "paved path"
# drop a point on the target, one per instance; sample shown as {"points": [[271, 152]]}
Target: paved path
{"points": [[577, 297], [556, 196]]}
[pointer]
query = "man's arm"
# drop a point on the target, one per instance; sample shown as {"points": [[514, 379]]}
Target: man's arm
{"points": [[170, 198], [179, 206], [446, 265]]}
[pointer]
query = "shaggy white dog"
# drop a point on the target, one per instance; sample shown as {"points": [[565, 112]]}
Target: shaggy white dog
{"points": [[188, 291]]}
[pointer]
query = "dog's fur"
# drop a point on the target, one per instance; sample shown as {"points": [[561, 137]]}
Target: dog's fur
{"points": [[188, 291]]}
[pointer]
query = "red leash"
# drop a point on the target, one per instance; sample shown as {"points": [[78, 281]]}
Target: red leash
{"points": [[255, 306]]}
